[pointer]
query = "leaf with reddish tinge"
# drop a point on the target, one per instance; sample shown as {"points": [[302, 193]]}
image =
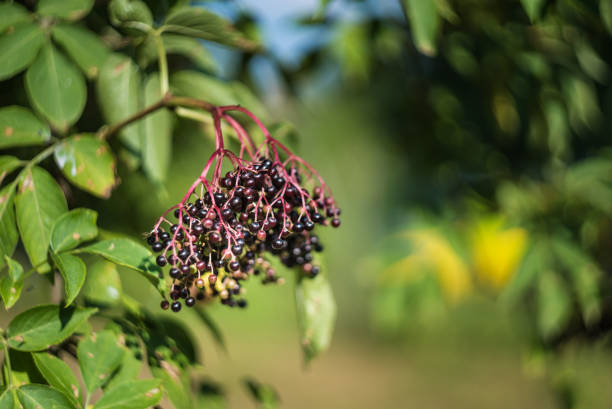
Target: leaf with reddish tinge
{"points": [[88, 163]]}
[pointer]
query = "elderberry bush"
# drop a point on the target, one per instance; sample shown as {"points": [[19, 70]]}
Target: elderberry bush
{"points": [[226, 230]]}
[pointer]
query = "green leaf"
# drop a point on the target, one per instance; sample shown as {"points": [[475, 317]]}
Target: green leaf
{"points": [[133, 15], [12, 14], [59, 375], [40, 327], [23, 369], [197, 85], [88, 163], [8, 228], [99, 355], [201, 23], [19, 127], [19, 48], [605, 10], [83, 46], [56, 88], [68, 9], [39, 203], [316, 312], [191, 48], [7, 400], [11, 284], [175, 383], [119, 89], [73, 228], [157, 135], [424, 24], [73, 271], [7, 165], [103, 285], [533, 8], [128, 253], [554, 304], [42, 396], [135, 394], [129, 370], [265, 395], [536, 260]]}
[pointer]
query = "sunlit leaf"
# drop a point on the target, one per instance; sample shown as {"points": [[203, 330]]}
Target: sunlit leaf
{"points": [[83, 46], [40, 327], [424, 23], [88, 162], [39, 203], [157, 143], [59, 375], [11, 284], [73, 228], [19, 127], [8, 228], [103, 285], [99, 355], [134, 394], [56, 88], [12, 14], [19, 48], [42, 396], [73, 270]]}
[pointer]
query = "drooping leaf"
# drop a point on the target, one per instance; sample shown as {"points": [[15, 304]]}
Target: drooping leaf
{"points": [[128, 253], [68, 9], [103, 285], [316, 311], [118, 90], [83, 46], [19, 127], [188, 47], [7, 165], [264, 395], [533, 8], [12, 14], [134, 394], [8, 228], [19, 48], [202, 23], [157, 143], [424, 24], [59, 375], [73, 228], [197, 85], [39, 203], [42, 396], [88, 163], [73, 271], [40, 327], [11, 284], [56, 88], [554, 304], [99, 355]]}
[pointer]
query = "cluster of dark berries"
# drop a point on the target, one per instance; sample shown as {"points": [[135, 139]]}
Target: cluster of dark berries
{"points": [[223, 235]]}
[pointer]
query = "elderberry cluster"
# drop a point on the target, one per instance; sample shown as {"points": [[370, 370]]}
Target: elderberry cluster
{"points": [[221, 238]]}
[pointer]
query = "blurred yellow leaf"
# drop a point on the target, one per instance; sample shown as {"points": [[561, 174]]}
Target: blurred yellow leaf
{"points": [[497, 252]]}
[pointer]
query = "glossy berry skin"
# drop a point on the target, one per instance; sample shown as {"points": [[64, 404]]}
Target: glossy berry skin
{"points": [[176, 306], [165, 305], [190, 301], [161, 260]]}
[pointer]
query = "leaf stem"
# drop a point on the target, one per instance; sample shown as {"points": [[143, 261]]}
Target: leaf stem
{"points": [[7, 361], [163, 63]]}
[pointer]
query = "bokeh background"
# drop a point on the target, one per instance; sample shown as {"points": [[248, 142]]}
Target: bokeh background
{"points": [[468, 144]]}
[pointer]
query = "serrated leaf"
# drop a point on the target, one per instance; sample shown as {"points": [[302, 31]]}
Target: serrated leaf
{"points": [[157, 142], [103, 285], [99, 355], [128, 253], [42, 396], [68, 9], [8, 228], [73, 271], [119, 89], [56, 88], [7, 165], [12, 14], [19, 127], [39, 202], [83, 46], [316, 312], [424, 24], [59, 375], [73, 228], [554, 304], [197, 85], [533, 8], [19, 48], [11, 284], [135, 394], [40, 327], [204, 24], [88, 163]]}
